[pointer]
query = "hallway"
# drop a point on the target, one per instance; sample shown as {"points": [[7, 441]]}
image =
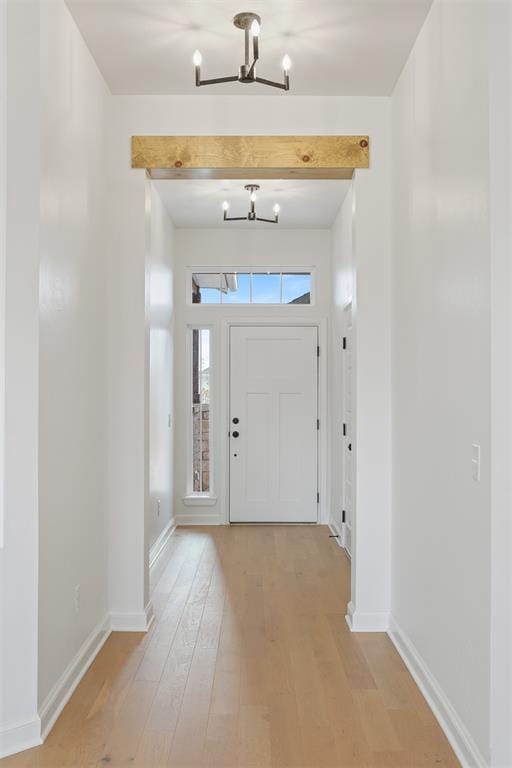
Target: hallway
{"points": [[249, 663]]}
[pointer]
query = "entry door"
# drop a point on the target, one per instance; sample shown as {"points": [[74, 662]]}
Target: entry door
{"points": [[273, 425], [348, 445]]}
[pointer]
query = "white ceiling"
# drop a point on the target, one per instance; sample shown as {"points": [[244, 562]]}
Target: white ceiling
{"points": [[338, 47], [304, 204]]}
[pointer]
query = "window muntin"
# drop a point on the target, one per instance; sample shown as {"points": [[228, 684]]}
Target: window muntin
{"points": [[201, 424], [255, 287]]}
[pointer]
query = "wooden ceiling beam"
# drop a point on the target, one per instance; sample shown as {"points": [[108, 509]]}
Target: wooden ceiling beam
{"points": [[324, 157]]}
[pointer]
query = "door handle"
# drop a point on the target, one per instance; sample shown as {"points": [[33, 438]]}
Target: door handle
{"points": [[236, 420], [350, 446], [235, 433]]}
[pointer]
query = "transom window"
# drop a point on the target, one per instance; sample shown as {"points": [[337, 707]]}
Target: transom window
{"points": [[254, 287]]}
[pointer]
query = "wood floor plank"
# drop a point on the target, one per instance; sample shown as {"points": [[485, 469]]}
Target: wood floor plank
{"points": [[221, 748], [226, 685], [254, 746], [395, 684], [377, 725], [318, 735], [166, 705], [354, 663], [124, 741], [249, 664], [189, 743], [153, 749]]}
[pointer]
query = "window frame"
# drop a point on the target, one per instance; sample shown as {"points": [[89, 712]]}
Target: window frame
{"points": [[191, 270]]}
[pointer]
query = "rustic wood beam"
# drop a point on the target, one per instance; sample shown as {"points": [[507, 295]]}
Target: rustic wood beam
{"points": [[235, 156]]}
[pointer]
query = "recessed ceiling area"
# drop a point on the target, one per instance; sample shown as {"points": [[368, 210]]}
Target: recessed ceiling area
{"points": [[337, 47], [305, 204]]}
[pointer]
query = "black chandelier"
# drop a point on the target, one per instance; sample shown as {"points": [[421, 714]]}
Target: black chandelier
{"points": [[251, 216], [250, 23]]}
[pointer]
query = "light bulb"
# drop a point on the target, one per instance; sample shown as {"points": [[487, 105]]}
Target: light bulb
{"points": [[276, 208], [225, 205], [197, 58], [253, 197], [287, 63], [255, 28]]}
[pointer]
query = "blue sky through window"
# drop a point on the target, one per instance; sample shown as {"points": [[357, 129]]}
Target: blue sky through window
{"points": [[255, 288], [266, 288], [210, 296], [295, 286], [242, 295]]}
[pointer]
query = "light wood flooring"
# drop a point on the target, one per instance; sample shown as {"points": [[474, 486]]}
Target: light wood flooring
{"points": [[249, 664]]}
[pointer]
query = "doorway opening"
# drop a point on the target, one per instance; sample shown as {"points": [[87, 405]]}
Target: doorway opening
{"points": [[261, 391], [252, 328]]}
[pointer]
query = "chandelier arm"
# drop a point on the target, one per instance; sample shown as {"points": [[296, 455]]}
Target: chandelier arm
{"points": [[284, 86], [268, 221], [218, 80], [235, 218]]}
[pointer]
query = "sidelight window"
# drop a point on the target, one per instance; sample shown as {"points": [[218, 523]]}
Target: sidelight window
{"points": [[201, 414]]}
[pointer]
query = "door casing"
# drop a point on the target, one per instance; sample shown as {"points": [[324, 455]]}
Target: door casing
{"points": [[348, 463]]}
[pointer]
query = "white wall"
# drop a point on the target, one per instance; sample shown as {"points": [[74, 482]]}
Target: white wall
{"points": [[127, 374], [500, 100], [342, 293], [234, 248], [441, 359], [126, 338], [445, 343], [371, 339], [3, 204], [72, 457], [160, 320], [19, 723]]}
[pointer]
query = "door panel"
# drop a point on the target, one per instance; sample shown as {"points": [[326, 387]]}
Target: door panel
{"points": [[258, 416], [274, 445]]}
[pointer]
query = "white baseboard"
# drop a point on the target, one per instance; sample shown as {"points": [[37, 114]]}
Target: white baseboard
{"points": [[374, 621], [453, 727], [200, 519], [68, 681], [158, 547], [132, 622], [20, 736]]}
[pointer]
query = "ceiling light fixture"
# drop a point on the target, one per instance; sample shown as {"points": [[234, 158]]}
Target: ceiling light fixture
{"points": [[251, 25], [251, 216]]}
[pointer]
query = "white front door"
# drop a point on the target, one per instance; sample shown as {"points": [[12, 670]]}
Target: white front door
{"points": [[273, 425], [348, 445]]}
